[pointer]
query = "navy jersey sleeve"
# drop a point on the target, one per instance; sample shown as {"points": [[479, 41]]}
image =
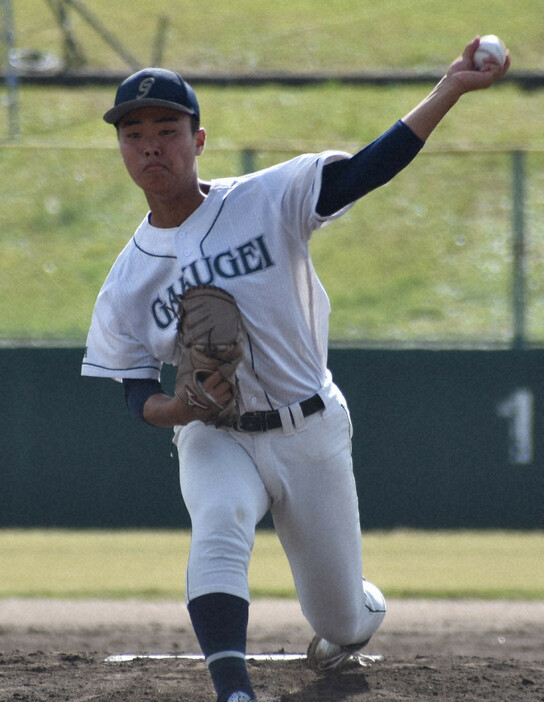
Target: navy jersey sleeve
{"points": [[349, 179], [137, 390]]}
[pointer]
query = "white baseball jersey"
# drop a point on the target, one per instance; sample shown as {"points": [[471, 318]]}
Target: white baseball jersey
{"points": [[250, 236]]}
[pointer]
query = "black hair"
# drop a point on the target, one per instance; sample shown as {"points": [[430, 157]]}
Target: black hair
{"points": [[195, 124]]}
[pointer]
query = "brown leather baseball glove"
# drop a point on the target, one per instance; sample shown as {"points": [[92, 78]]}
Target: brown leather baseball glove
{"points": [[210, 338]]}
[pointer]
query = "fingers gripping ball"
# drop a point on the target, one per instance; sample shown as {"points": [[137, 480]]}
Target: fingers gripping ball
{"points": [[210, 338], [490, 47]]}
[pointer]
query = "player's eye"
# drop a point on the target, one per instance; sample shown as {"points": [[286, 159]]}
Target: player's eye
{"points": [[131, 135]]}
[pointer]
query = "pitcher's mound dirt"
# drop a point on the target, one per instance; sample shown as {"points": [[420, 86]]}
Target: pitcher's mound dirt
{"points": [[462, 651]]}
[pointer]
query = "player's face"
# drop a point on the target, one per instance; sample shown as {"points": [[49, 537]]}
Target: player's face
{"points": [[159, 149]]}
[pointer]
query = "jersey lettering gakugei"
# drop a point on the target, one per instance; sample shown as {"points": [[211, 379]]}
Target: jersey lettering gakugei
{"points": [[250, 236]]}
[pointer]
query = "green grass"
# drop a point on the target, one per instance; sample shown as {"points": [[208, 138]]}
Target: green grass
{"points": [[428, 258], [151, 564], [291, 34]]}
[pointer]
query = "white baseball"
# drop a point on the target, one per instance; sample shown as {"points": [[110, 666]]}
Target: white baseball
{"points": [[490, 47]]}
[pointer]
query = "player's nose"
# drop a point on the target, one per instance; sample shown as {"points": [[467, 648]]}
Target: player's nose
{"points": [[151, 147]]}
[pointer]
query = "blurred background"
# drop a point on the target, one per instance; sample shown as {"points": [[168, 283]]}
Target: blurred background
{"points": [[450, 252], [436, 281]]}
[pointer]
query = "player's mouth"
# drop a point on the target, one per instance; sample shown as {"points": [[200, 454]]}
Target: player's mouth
{"points": [[153, 167]]}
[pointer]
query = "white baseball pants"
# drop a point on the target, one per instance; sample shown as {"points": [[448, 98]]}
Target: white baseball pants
{"points": [[304, 475]]}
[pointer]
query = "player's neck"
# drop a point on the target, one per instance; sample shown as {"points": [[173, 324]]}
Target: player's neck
{"points": [[168, 213]]}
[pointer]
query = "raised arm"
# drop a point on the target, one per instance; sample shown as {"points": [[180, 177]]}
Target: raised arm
{"points": [[347, 180], [462, 77]]}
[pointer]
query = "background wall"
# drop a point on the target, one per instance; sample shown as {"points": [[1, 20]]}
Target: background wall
{"points": [[443, 439]]}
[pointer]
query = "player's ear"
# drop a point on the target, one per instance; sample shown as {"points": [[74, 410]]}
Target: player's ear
{"points": [[200, 140]]}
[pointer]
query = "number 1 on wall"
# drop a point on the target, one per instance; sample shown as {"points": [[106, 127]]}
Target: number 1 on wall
{"points": [[518, 409]]}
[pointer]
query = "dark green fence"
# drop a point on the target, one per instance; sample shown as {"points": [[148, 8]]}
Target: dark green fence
{"points": [[443, 439]]}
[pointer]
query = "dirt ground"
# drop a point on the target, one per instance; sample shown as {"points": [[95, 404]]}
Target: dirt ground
{"points": [[462, 651]]}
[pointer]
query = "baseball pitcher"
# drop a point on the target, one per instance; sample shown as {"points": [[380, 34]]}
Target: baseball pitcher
{"points": [[217, 280]]}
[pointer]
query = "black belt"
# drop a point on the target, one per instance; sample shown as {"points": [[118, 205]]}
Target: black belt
{"points": [[263, 421]]}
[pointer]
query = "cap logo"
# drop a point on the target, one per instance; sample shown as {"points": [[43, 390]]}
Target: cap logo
{"points": [[144, 87]]}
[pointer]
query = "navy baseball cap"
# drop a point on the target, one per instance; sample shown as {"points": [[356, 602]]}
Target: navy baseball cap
{"points": [[153, 87]]}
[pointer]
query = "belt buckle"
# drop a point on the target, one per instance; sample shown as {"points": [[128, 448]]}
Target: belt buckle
{"points": [[252, 421]]}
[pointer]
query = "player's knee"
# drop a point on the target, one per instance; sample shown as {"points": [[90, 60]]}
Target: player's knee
{"points": [[224, 516], [353, 621], [348, 631], [223, 530]]}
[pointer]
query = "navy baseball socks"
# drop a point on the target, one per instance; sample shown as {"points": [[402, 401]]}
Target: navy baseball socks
{"points": [[220, 624]]}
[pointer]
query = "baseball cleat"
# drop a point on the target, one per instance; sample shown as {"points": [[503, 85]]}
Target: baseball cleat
{"points": [[240, 697], [325, 656]]}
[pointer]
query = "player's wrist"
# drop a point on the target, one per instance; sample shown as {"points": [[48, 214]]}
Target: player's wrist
{"points": [[450, 89], [165, 411]]}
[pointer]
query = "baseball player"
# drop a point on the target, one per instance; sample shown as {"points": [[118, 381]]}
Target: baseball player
{"points": [[289, 448]]}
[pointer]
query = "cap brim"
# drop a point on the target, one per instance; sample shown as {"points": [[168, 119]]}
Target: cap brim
{"points": [[116, 113]]}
